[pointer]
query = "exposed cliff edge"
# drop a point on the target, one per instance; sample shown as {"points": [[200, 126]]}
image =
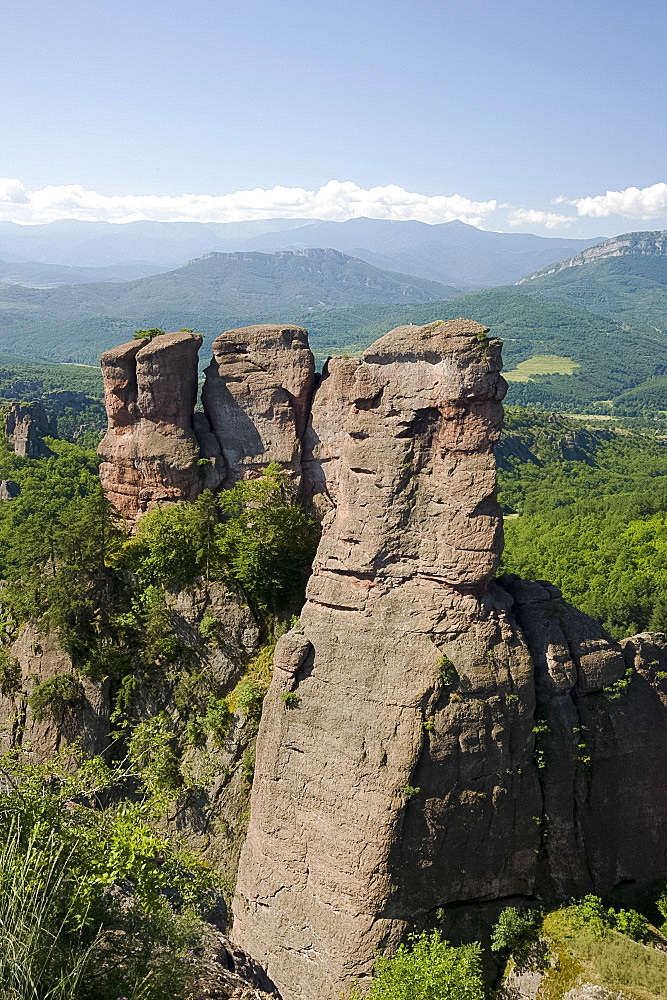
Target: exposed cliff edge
{"points": [[449, 741]]}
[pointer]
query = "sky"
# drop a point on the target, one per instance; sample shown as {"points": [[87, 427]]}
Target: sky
{"points": [[510, 115]]}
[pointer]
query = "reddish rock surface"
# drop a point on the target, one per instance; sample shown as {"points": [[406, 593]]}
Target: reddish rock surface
{"points": [[150, 451]]}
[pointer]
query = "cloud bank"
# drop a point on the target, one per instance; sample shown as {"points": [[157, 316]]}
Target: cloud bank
{"points": [[335, 201]]}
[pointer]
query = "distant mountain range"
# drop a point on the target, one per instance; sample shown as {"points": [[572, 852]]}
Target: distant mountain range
{"points": [[577, 333], [211, 293], [453, 253], [35, 275]]}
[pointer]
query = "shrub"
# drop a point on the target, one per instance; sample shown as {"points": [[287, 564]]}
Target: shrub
{"points": [[10, 673], [516, 932], [591, 913], [211, 629], [265, 542], [618, 688], [151, 752], [248, 765], [216, 722], [632, 923], [290, 699], [106, 910], [447, 671], [55, 696], [249, 697], [428, 968], [149, 334]]}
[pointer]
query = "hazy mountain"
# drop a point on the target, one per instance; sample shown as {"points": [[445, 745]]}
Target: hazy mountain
{"points": [[210, 294], [624, 277], [98, 244], [37, 275], [454, 253]]}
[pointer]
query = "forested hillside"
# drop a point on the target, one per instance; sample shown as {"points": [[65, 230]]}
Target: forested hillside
{"points": [[624, 278], [586, 511]]}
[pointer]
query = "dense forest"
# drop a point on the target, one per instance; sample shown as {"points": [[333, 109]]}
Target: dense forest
{"points": [[586, 511]]}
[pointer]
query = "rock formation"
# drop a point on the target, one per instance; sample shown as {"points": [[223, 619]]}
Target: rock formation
{"points": [[9, 490], [256, 400], [26, 424], [454, 741], [256, 397], [150, 451]]}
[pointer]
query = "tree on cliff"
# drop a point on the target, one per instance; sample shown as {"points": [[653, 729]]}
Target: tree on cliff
{"points": [[148, 334]]}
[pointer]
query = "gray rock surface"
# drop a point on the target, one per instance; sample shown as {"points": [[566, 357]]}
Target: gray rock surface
{"points": [[256, 397], [37, 657], [9, 490], [26, 425]]}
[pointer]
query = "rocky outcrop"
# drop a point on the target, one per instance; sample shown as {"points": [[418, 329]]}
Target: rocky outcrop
{"points": [[31, 662], [26, 425], [256, 398], [9, 490], [448, 742], [150, 451], [436, 743]]}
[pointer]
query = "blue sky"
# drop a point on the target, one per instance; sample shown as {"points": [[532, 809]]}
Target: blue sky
{"points": [[506, 104]]}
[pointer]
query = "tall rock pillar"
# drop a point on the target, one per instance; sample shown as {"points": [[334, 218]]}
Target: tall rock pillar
{"points": [[150, 451], [389, 788], [256, 398]]}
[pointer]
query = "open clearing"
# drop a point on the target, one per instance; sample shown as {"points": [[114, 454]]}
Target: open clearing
{"points": [[541, 364]]}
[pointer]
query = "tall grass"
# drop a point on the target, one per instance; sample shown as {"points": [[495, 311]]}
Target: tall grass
{"points": [[40, 956]]}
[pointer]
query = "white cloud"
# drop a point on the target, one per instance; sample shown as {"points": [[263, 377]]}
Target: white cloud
{"points": [[631, 203], [536, 217], [11, 190], [336, 200]]}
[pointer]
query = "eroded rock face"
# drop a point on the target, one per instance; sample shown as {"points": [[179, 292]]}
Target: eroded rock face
{"points": [[34, 658], [407, 775], [150, 451], [26, 424], [256, 398]]}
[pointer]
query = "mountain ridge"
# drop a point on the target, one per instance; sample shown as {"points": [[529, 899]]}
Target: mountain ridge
{"points": [[453, 252]]}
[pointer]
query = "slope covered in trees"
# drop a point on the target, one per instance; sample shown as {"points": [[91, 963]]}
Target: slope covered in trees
{"points": [[624, 278], [587, 512]]}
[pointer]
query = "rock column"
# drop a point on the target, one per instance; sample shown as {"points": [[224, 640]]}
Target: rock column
{"points": [[150, 451]]}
